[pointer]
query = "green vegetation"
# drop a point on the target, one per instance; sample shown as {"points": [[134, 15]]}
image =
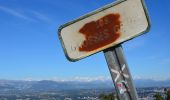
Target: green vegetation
{"points": [[158, 97], [106, 97], [168, 95]]}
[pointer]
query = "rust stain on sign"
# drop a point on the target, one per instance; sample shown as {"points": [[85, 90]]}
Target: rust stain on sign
{"points": [[101, 32]]}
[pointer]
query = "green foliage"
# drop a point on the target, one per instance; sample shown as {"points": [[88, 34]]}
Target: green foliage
{"points": [[158, 97], [106, 97], [168, 95]]}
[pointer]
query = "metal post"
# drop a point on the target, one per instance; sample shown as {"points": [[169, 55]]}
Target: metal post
{"points": [[120, 74]]}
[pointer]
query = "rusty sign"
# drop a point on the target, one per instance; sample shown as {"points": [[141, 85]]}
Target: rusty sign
{"points": [[104, 28]]}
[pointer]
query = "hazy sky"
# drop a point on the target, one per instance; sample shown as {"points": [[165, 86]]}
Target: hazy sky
{"points": [[30, 48]]}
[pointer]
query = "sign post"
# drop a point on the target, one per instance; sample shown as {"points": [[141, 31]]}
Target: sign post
{"points": [[120, 73], [105, 30]]}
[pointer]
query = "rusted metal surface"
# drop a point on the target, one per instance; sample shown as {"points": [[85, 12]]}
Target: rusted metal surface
{"points": [[99, 33]]}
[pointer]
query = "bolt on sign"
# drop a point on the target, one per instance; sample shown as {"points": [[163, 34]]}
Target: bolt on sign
{"points": [[104, 28]]}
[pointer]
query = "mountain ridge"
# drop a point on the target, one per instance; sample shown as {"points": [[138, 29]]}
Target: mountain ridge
{"points": [[42, 85]]}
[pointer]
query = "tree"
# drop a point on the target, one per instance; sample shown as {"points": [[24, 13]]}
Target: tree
{"points": [[158, 97], [168, 95]]}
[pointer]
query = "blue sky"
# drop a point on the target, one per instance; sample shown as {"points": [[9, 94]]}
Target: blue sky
{"points": [[30, 48]]}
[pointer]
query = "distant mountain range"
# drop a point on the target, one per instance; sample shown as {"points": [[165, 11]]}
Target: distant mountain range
{"points": [[6, 85], [52, 85], [151, 83]]}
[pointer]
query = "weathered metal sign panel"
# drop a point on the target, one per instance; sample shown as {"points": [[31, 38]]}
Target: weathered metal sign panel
{"points": [[104, 28]]}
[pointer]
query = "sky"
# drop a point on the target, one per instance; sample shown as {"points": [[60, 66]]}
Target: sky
{"points": [[30, 47]]}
